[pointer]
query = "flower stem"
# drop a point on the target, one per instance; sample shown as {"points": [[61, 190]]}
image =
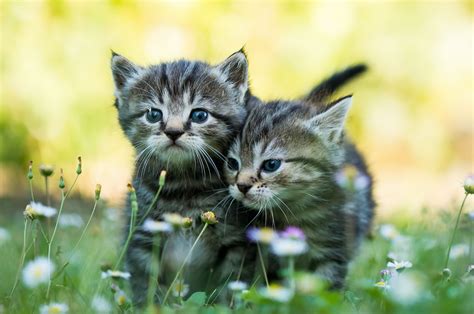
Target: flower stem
{"points": [[46, 185], [155, 267], [291, 273], [83, 231], [184, 263], [131, 230], [153, 202], [31, 190], [22, 257], [262, 263], [50, 244], [454, 231]]}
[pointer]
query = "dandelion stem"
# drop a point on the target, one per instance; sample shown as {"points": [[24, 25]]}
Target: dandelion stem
{"points": [[131, 230], [262, 263], [184, 263], [46, 185], [83, 231], [22, 257], [153, 202], [155, 267], [50, 244], [291, 273], [31, 190], [454, 231]]}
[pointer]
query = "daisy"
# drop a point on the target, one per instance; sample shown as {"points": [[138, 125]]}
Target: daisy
{"points": [[293, 233], [237, 286], [263, 235], [469, 184], [176, 220], [277, 293], [388, 231], [399, 266], [154, 226], [382, 284], [38, 210], [54, 308], [459, 250], [288, 247], [37, 272], [115, 274], [120, 297], [180, 289]]}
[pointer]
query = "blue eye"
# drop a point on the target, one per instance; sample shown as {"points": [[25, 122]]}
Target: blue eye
{"points": [[154, 115], [233, 164], [271, 165], [199, 116]]}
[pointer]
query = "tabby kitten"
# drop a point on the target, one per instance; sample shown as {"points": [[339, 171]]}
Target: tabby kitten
{"points": [[181, 117], [284, 164]]}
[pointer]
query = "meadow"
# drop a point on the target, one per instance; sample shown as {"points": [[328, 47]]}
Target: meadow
{"points": [[68, 258]]}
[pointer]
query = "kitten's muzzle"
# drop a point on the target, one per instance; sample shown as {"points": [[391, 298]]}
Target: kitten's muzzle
{"points": [[174, 134], [244, 188]]}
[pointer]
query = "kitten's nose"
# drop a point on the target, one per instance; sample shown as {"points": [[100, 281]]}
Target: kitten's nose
{"points": [[174, 134], [244, 188]]}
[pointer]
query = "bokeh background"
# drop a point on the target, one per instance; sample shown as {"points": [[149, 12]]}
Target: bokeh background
{"points": [[412, 116]]}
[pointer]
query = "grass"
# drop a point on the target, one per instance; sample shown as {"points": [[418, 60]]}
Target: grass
{"points": [[428, 286]]}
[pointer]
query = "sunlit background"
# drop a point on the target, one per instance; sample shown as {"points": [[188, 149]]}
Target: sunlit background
{"points": [[412, 116]]}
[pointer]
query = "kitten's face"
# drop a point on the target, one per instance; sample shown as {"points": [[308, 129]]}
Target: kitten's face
{"points": [[284, 153], [181, 112]]}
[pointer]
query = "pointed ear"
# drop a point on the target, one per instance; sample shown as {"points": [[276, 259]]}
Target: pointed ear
{"points": [[234, 70], [330, 123], [122, 71]]}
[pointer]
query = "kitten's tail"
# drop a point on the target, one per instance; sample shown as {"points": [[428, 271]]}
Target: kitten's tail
{"points": [[327, 87]]}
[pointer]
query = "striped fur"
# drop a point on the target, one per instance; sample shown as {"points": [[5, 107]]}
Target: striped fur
{"points": [[194, 164], [312, 147]]}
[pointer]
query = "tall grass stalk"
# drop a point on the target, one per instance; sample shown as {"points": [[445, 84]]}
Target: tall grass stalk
{"points": [[22, 258], [454, 231], [154, 270], [262, 264], [180, 270]]}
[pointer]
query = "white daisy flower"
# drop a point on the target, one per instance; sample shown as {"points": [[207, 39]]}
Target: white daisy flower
{"points": [[382, 284], [120, 297], [116, 274], [37, 272], [176, 220], [154, 226], [101, 305], [262, 235], [237, 286], [288, 247], [277, 293], [399, 266], [180, 289], [388, 231], [4, 236], [71, 220], [459, 250], [54, 308], [38, 210]]}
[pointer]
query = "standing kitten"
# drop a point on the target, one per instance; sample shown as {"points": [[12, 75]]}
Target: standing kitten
{"points": [[181, 117], [284, 166]]}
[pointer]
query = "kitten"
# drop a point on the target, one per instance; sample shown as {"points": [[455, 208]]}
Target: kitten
{"points": [[181, 117], [283, 165]]}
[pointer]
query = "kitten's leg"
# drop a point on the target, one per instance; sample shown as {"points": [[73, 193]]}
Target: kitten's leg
{"points": [[138, 260]]}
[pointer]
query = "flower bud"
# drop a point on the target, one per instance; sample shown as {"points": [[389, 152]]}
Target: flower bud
{"points": [[447, 273], [161, 181], [30, 171], [469, 184], [79, 165], [61, 184], [133, 198], [187, 222], [209, 217], [98, 188], [46, 170]]}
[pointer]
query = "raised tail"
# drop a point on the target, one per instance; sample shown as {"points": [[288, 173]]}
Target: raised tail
{"points": [[327, 87]]}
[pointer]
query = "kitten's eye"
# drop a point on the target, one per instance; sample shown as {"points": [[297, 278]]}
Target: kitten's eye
{"points": [[199, 116], [233, 164], [154, 115], [271, 165]]}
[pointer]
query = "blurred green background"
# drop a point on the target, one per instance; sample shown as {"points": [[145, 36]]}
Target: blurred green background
{"points": [[412, 116]]}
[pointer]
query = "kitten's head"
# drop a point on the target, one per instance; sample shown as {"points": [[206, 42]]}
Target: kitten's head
{"points": [[285, 152], [181, 111]]}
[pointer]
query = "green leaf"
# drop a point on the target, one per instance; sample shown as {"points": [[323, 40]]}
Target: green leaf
{"points": [[197, 298]]}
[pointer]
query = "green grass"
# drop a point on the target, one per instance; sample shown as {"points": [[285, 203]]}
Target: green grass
{"points": [[423, 288]]}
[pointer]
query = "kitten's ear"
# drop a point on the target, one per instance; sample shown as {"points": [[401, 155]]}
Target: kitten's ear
{"points": [[234, 70], [330, 123], [122, 70]]}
